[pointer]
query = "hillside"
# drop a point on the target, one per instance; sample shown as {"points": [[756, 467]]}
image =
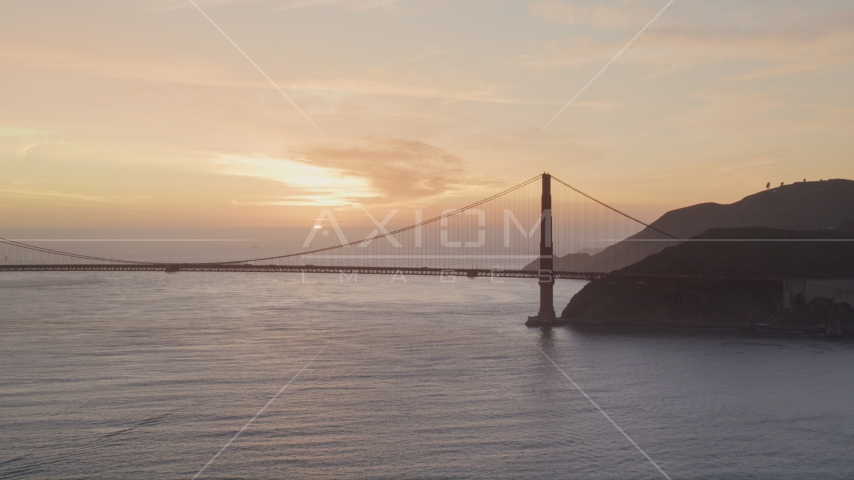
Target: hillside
{"points": [[735, 252], [756, 251], [799, 206]]}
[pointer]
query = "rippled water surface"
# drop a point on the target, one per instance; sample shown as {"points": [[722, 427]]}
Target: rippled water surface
{"points": [[149, 375]]}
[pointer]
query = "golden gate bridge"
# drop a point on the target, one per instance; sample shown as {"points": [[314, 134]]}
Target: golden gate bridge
{"points": [[542, 228]]}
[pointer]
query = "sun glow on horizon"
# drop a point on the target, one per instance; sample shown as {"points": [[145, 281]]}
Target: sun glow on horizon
{"points": [[309, 185]]}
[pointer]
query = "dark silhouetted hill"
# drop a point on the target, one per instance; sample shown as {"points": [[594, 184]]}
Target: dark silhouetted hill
{"points": [[756, 252], [724, 252]]}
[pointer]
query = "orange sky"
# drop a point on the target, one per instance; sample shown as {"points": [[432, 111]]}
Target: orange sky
{"points": [[120, 114]]}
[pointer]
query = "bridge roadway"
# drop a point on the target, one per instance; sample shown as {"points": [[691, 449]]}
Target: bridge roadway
{"points": [[349, 270], [214, 267]]}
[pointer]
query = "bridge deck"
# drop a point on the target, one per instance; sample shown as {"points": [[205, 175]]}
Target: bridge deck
{"points": [[199, 267], [348, 270]]}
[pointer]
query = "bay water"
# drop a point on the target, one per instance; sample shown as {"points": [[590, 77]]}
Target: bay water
{"points": [[150, 375]]}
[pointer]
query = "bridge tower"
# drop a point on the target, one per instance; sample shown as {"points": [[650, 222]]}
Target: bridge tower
{"points": [[546, 316]]}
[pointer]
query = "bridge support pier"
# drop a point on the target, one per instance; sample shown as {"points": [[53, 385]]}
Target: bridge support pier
{"points": [[546, 316]]}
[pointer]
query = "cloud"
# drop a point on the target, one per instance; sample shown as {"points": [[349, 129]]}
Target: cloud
{"points": [[23, 151], [765, 52], [310, 185], [377, 170], [351, 4], [166, 5], [399, 170], [486, 92], [320, 91], [733, 110], [18, 132], [124, 68], [571, 14], [31, 192], [742, 112]]}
